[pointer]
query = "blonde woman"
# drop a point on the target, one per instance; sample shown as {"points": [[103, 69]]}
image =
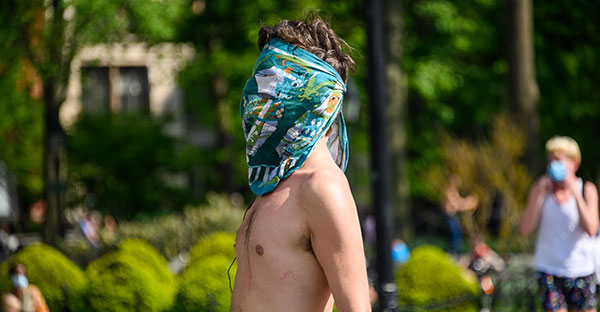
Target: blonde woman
{"points": [[566, 209]]}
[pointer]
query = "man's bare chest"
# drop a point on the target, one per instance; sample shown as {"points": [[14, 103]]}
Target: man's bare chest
{"points": [[273, 227]]}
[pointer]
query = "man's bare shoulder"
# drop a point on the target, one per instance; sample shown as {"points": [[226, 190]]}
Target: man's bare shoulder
{"points": [[324, 183], [325, 190]]}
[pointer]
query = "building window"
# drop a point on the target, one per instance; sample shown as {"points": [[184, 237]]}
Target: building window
{"points": [[133, 87], [95, 90], [115, 89]]}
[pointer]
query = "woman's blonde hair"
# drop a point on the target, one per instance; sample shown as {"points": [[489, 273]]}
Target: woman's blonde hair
{"points": [[564, 144]]}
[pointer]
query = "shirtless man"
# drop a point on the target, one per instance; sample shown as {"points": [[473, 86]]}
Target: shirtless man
{"points": [[299, 247]]}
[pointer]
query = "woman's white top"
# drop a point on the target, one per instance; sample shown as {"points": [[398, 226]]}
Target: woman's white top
{"points": [[563, 249]]}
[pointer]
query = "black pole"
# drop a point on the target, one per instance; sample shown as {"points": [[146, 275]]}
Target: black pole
{"points": [[386, 288]]}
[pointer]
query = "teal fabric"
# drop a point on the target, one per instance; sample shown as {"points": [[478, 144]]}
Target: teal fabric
{"points": [[292, 99]]}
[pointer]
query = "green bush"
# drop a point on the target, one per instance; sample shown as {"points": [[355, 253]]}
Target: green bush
{"points": [[61, 282], [147, 254], [219, 243], [518, 290], [431, 280], [79, 250], [134, 278], [166, 233], [175, 233], [204, 285]]}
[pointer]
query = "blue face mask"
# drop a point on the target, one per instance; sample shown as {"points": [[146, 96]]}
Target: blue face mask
{"points": [[19, 280], [557, 171]]}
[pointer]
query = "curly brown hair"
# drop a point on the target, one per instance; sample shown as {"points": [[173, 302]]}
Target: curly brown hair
{"points": [[314, 36]]}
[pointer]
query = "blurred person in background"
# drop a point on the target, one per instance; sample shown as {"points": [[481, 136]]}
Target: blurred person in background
{"points": [[29, 296], [10, 303], [89, 228], [37, 211], [299, 246], [8, 241], [485, 262], [453, 204], [566, 208], [400, 253], [110, 231]]}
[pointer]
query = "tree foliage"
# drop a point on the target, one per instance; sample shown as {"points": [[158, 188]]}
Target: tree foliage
{"points": [[567, 38], [454, 60], [456, 75], [492, 171], [45, 36], [20, 111], [124, 165]]}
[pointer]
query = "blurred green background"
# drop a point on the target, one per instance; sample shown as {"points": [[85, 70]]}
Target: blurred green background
{"points": [[130, 108], [121, 156]]}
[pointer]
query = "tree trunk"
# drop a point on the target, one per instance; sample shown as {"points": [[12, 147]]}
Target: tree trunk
{"points": [[396, 116], [523, 89], [219, 90], [55, 69], [54, 166], [224, 132]]}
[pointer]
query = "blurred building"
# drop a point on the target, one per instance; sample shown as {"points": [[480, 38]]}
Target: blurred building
{"points": [[9, 211], [133, 77]]}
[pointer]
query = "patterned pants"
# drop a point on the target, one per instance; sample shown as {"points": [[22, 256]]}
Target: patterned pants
{"points": [[564, 292]]}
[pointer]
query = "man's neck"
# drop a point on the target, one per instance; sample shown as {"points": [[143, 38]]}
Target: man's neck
{"points": [[319, 157]]}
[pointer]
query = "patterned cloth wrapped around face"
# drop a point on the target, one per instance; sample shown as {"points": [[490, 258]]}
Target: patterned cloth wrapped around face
{"points": [[292, 99]]}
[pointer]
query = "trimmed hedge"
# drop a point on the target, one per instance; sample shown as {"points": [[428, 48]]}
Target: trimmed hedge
{"points": [[431, 280], [175, 233], [61, 281], [134, 278], [219, 243], [204, 286], [144, 252]]}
